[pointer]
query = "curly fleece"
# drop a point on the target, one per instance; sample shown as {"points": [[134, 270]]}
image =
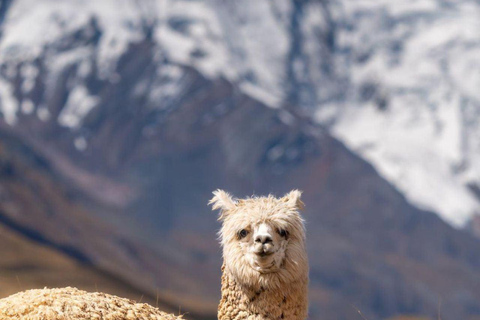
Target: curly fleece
{"points": [[239, 302], [73, 304]]}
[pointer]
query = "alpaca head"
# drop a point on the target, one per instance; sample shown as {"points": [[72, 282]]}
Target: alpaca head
{"points": [[263, 239]]}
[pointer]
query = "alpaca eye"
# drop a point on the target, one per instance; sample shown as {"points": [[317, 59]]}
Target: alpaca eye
{"points": [[242, 234], [283, 233]]}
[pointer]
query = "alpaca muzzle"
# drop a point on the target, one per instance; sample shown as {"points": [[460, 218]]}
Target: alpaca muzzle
{"points": [[264, 250]]}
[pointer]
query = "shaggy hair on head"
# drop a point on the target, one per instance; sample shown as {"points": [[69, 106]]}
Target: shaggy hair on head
{"points": [[265, 263]]}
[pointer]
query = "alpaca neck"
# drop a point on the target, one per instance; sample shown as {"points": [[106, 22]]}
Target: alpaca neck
{"points": [[239, 302]]}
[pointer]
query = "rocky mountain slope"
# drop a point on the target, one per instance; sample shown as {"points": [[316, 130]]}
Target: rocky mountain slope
{"points": [[26, 264], [118, 124]]}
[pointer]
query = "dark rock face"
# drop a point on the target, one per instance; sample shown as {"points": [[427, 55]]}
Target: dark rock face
{"points": [[132, 200]]}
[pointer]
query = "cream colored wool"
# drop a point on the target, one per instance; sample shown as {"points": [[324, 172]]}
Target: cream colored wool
{"points": [[262, 280], [73, 304]]}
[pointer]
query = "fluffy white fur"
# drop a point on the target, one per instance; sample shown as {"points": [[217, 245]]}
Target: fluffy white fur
{"points": [[263, 241]]}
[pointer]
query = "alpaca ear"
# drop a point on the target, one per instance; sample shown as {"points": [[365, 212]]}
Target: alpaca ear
{"points": [[293, 199], [223, 201]]}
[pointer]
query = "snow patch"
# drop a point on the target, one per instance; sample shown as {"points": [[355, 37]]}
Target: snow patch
{"points": [[414, 111], [78, 105], [8, 103], [27, 106], [80, 143], [43, 113]]}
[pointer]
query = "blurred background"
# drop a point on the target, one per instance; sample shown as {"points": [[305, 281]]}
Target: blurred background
{"points": [[120, 117]]}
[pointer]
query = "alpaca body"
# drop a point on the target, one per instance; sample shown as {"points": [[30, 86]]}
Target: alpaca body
{"points": [[238, 302]]}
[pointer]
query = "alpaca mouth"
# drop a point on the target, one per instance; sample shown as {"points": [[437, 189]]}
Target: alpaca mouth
{"points": [[265, 265], [264, 254]]}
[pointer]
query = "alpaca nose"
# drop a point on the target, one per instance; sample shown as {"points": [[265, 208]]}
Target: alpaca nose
{"points": [[263, 238]]}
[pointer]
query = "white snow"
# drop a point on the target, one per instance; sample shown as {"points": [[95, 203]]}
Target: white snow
{"points": [[53, 19], [27, 106], [43, 113], [260, 94], [427, 140], [246, 43], [29, 73], [79, 103], [8, 103], [80, 143], [419, 60]]}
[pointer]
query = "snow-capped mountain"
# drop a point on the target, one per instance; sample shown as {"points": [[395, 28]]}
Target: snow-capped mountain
{"points": [[269, 49], [396, 81], [413, 106]]}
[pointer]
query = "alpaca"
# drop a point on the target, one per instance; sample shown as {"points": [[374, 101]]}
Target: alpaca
{"points": [[265, 271], [73, 304], [265, 266]]}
